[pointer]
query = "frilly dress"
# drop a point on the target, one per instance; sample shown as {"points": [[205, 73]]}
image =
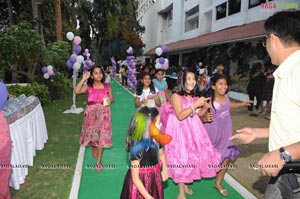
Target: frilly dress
{"points": [[97, 124], [220, 129], [190, 155], [149, 173]]}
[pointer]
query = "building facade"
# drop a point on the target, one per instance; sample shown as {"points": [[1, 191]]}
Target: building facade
{"points": [[187, 25]]}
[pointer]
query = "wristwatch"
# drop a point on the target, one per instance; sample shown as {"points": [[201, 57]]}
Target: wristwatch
{"points": [[284, 155]]}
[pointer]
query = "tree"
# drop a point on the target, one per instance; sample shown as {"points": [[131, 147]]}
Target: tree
{"points": [[59, 36], [20, 50]]}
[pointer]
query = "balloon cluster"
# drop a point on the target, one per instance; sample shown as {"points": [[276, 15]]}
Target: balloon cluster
{"points": [[75, 59], [114, 66], [161, 62], [47, 72], [87, 63], [131, 61]]}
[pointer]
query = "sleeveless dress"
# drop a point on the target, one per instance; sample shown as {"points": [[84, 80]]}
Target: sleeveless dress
{"points": [[149, 173], [5, 146], [97, 124], [220, 129], [190, 155], [161, 86]]}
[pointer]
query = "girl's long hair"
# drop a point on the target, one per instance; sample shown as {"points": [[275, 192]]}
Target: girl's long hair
{"points": [[140, 85], [181, 80], [210, 92], [90, 81], [150, 113]]}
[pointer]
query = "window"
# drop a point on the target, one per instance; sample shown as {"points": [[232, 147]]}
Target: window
{"points": [[192, 19], [234, 6], [254, 3], [221, 11], [170, 17]]}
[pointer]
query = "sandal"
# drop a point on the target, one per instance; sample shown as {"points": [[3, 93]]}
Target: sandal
{"points": [[99, 167], [222, 191], [188, 190]]}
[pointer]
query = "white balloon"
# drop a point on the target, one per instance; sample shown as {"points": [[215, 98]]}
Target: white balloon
{"points": [[79, 58], [46, 76], [158, 66], [166, 61], [50, 67], [70, 36], [77, 65], [130, 48], [88, 54], [158, 51]]}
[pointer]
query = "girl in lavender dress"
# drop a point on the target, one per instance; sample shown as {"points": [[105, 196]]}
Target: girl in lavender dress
{"points": [[97, 124], [219, 127], [190, 153]]}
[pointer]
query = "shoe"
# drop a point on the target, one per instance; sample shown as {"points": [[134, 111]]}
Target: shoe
{"points": [[99, 168], [254, 114], [223, 191]]}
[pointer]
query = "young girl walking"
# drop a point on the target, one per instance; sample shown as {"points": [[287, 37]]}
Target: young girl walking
{"points": [[146, 93], [190, 155], [144, 143], [219, 126], [97, 124], [161, 84]]}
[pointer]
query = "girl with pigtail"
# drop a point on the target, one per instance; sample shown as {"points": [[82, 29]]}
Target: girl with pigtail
{"points": [[144, 141]]}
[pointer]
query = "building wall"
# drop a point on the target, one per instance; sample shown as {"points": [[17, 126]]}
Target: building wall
{"points": [[159, 31]]}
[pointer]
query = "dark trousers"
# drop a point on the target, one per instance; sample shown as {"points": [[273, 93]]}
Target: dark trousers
{"points": [[124, 80], [258, 97]]}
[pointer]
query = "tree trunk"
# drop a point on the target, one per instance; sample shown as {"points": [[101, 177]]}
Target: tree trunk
{"points": [[59, 36], [35, 15], [10, 13]]}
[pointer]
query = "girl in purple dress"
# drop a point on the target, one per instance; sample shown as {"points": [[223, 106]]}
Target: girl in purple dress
{"points": [[190, 153], [219, 127], [144, 178], [97, 125]]}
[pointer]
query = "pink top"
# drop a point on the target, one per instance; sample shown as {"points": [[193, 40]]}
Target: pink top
{"points": [[96, 95]]}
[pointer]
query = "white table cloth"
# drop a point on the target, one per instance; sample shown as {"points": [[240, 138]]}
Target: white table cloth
{"points": [[28, 134]]}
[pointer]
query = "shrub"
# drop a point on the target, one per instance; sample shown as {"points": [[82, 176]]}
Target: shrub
{"points": [[239, 84], [39, 90], [59, 86]]}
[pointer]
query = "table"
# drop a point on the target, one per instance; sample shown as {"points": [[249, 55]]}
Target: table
{"points": [[28, 134]]}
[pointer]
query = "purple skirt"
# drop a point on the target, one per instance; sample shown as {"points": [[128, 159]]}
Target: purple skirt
{"points": [[152, 180]]}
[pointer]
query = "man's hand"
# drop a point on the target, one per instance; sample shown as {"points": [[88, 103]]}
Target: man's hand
{"points": [[245, 135], [270, 164]]}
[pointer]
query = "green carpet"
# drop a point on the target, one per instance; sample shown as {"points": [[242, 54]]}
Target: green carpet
{"points": [[107, 184]]}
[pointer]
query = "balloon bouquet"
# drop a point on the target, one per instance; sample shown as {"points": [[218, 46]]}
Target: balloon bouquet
{"points": [[74, 62], [114, 66], [161, 62], [131, 61], [47, 72]]}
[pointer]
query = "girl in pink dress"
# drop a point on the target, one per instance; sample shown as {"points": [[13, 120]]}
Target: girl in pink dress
{"points": [[190, 155], [5, 146], [97, 124]]}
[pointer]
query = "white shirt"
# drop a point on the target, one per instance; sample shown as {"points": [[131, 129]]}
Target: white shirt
{"points": [[145, 94], [285, 116]]}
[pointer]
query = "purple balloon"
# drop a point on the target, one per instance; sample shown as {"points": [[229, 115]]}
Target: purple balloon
{"points": [[161, 60], [69, 64], [164, 48], [45, 69], [77, 49], [4, 95], [72, 58]]}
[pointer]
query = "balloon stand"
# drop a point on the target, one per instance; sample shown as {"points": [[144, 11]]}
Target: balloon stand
{"points": [[73, 108]]}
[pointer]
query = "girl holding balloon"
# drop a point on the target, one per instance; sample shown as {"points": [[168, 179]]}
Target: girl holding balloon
{"points": [[191, 151], [144, 141], [146, 93], [97, 123]]}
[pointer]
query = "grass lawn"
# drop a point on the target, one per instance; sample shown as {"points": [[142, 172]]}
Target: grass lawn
{"points": [[61, 149]]}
